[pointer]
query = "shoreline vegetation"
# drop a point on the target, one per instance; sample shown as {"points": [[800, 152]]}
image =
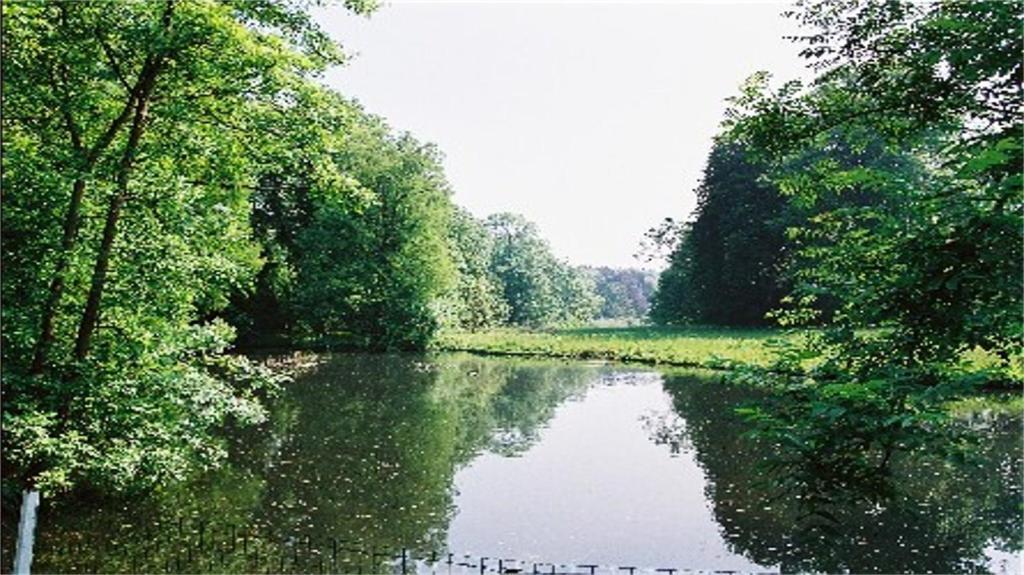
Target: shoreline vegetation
{"points": [[693, 348], [701, 347], [705, 347]]}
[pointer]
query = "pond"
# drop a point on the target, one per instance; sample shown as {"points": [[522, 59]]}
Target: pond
{"points": [[471, 464]]}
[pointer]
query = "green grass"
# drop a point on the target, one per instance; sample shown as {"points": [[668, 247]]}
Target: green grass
{"points": [[705, 347], [690, 347], [999, 404], [697, 346]]}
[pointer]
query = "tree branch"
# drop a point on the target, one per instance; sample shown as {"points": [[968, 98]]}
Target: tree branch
{"points": [[108, 51]]}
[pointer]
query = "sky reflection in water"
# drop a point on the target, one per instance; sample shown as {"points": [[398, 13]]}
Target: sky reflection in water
{"points": [[535, 460]]}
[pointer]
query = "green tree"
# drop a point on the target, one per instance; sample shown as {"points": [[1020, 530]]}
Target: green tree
{"points": [[624, 293], [374, 273], [935, 263], [353, 222], [728, 267], [128, 161], [938, 258], [522, 261], [475, 301], [538, 289], [674, 297], [576, 292]]}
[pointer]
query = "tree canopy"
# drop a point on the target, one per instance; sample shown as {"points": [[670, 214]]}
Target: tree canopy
{"points": [[538, 288], [130, 136], [726, 265], [624, 293]]}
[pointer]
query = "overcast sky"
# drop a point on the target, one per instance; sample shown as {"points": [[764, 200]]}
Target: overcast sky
{"points": [[591, 119]]}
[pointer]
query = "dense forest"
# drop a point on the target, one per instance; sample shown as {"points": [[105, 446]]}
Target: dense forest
{"points": [[179, 182], [725, 265]]}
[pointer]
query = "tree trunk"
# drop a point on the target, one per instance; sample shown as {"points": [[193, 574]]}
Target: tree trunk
{"points": [[72, 218], [26, 532], [90, 316], [67, 243], [144, 91]]}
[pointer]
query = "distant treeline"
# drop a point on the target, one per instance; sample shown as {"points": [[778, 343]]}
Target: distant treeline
{"points": [[625, 292], [389, 275]]}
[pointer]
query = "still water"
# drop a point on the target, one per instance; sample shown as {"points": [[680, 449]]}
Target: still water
{"points": [[545, 465]]}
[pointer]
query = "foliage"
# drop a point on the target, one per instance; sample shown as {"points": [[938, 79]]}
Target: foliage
{"points": [[725, 265], [923, 510], [138, 425], [339, 274], [373, 273], [476, 300], [175, 171], [538, 289], [624, 293], [673, 294], [935, 260], [352, 220], [939, 256], [128, 147]]}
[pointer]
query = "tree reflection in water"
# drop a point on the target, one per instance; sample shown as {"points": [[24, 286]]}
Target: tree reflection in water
{"points": [[365, 449], [361, 451], [923, 511]]}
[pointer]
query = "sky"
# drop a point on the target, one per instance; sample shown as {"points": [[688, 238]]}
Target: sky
{"points": [[593, 120]]}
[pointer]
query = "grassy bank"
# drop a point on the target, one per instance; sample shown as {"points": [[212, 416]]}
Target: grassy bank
{"points": [[698, 346], [712, 348], [691, 347]]}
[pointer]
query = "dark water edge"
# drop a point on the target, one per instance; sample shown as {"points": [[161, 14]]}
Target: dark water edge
{"points": [[535, 461]]}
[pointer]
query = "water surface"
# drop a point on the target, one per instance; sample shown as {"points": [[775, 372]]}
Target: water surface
{"points": [[537, 463]]}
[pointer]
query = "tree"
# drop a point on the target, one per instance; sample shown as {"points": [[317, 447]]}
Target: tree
{"points": [[578, 301], [128, 162], [375, 273], [673, 297], [352, 219], [475, 301], [729, 262], [625, 293], [935, 264], [938, 256], [538, 289]]}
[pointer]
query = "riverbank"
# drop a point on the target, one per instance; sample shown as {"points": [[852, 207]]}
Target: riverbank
{"points": [[690, 347], [699, 347]]}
